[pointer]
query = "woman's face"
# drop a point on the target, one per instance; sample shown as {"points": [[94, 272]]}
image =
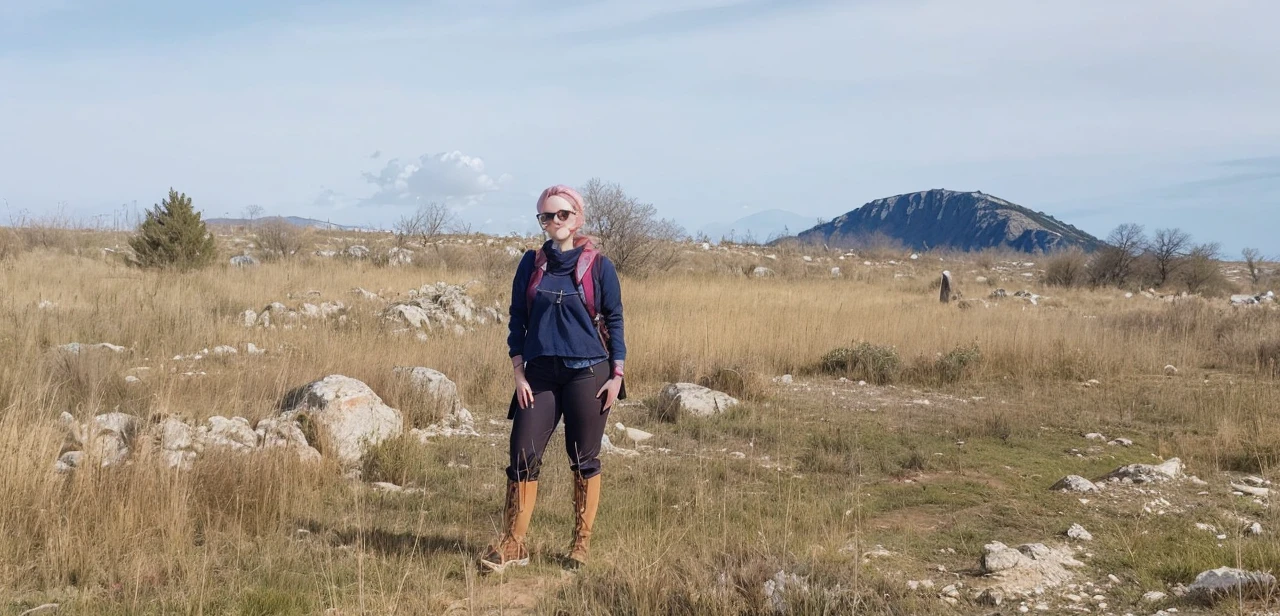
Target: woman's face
{"points": [[558, 229]]}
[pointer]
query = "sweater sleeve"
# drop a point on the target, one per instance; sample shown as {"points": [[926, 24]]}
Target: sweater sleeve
{"points": [[611, 308], [517, 325]]}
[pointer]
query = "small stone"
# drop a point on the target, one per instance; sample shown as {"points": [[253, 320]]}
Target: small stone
{"points": [[1122, 442], [1113, 578], [1251, 490], [1094, 436], [1154, 596], [1078, 532], [1254, 529], [1074, 483], [47, 608]]}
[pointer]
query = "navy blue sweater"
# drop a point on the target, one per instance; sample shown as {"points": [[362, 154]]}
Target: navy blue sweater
{"points": [[563, 329]]}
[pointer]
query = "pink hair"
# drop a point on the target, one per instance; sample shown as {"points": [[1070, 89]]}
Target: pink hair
{"points": [[579, 208]]}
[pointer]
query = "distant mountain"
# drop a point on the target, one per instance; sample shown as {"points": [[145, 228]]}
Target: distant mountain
{"points": [[762, 226], [297, 221], [950, 219]]}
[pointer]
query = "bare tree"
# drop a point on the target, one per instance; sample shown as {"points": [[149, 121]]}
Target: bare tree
{"points": [[1202, 273], [425, 225], [630, 232], [1168, 249], [1253, 261], [252, 212], [1113, 263]]}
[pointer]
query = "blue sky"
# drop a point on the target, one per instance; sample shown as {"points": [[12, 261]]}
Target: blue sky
{"points": [[1160, 112]]}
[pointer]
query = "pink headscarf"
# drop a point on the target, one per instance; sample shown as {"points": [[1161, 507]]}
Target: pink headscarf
{"points": [[579, 207]]}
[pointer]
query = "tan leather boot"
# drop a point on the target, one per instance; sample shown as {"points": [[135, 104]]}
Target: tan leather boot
{"points": [[518, 510], [586, 499]]}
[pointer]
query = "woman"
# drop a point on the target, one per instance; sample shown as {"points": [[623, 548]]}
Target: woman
{"points": [[567, 352]]}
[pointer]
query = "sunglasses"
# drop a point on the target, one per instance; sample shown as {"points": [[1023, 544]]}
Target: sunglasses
{"points": [[563, 215]]}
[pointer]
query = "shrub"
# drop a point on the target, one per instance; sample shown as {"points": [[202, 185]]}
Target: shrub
{"points": [[396, 460], [280, 239], [173, 236], [958, 363], [865, 361], [1067, 269]]}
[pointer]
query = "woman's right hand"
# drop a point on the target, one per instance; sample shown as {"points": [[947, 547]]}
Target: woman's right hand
{"points": [[524, 393]]}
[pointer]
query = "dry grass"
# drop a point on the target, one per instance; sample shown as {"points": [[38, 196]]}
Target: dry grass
{"points": [[691, 532]]}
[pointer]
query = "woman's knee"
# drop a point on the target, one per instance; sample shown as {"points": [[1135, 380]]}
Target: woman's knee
{"points": [[525, 467]]}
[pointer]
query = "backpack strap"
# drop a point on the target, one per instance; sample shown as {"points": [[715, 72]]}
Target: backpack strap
{"points": [[587, 284], [535, 277]]}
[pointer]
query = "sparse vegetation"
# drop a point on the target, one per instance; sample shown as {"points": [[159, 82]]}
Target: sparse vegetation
{"points": [[967, 418]]}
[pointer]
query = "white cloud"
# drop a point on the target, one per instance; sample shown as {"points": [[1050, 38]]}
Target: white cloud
{"points": [[449, 177], [330, 199]]}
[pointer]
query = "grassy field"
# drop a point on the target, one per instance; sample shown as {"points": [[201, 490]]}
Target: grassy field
{"points": [[842, 491]]}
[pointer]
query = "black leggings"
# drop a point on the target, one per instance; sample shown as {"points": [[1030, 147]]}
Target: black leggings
{"points": [[560, 391]]}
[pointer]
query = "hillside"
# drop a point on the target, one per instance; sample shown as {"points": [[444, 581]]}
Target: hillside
{"points": [[950, 219]]}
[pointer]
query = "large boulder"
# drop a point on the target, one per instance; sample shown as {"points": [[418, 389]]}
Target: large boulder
{"points": [[440, 397], [441, 305], [1147, 473], [235, 434], [677, 399], [277, 432], [177, 443], [433, 385], [343, 415], [106, 440], [109, 437], [1028, 567], [1227, 582]]}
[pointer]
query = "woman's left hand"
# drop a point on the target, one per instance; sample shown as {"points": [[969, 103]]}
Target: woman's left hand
{"points": [[610, 390]]}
